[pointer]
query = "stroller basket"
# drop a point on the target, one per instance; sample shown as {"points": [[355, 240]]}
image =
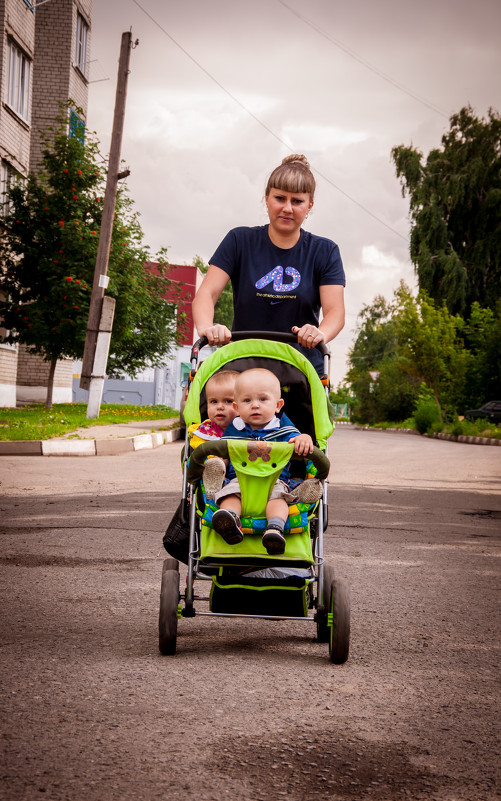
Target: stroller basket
{"points": [[256, 594]]}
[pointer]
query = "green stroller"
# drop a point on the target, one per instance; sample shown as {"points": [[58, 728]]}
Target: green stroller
{"points": [[243, 580]]}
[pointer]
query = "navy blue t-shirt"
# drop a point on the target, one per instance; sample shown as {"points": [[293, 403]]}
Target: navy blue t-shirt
{"points": [[276, 288]]}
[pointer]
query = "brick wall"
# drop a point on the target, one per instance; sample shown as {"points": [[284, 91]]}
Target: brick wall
{"points": [[8, 373], [17, 23], [78, 82], [33, 371], [48, 39], [55, 77], [8, 365]]}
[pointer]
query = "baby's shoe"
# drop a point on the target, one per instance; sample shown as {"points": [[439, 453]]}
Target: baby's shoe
{"points": [[227, 524], [274, 541], [309, 491], [213, 476]]}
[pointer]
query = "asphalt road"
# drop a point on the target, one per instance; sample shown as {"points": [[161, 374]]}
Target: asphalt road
{"points": [[252, 709]]}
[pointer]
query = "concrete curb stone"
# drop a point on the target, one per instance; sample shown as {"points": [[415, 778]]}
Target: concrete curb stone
{"points": [[440, 435], [88, 447]]}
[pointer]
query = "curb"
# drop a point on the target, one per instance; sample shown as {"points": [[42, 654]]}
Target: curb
{"points": [[88, 447], [449, 437], [464, 438]]}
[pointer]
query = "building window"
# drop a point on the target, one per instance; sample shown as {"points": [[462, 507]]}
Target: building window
{"points": [[77, 127], [8, 177], [81, 44], [18, 83]]}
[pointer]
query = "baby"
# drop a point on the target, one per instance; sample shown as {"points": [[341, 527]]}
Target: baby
{"points": [[219, 391], [257, 401]]}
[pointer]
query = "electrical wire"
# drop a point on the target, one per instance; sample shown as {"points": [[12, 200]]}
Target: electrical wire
{"points": [[263, 124], [364, 62]]}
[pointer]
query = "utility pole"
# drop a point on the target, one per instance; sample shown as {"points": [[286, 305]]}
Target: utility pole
{"points": [[94, 358]]}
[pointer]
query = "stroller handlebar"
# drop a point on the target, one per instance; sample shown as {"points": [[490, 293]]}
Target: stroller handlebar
{"points": [[275, 336]]}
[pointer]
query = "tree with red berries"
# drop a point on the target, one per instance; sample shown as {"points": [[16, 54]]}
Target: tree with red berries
{"points": [[48, 247]]}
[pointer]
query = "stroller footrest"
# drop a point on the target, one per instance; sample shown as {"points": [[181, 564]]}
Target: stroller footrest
{"points": [[251, 551]]}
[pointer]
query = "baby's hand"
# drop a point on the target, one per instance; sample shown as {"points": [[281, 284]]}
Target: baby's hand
{"points": [[303, 444]]}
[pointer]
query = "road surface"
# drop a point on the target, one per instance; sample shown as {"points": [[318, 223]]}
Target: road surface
{"points": [[250, 709]]}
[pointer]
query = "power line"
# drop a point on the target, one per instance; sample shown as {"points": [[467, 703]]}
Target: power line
{"points": [[263, 124], [364, 62]]}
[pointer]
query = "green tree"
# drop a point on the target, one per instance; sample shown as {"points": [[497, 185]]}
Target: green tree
{"points": [[482, 334], [223, 311], [410, 342], [376, 349], [455, 208], [48, 247], [431, 349]]}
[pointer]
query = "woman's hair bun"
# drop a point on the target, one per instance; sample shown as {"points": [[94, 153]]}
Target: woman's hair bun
{"points": [[295, 157], [292, 175]]}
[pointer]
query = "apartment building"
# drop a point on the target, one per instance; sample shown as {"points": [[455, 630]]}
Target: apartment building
{"points": [[44, 59]]}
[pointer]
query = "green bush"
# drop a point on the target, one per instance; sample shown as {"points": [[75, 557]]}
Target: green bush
{"points": [[426, 416], [457, 428]]}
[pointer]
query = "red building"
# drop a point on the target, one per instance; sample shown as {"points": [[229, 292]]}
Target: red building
{"points": [[185, 277]]}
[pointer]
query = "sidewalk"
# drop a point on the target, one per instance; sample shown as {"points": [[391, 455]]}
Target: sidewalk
{"points": [[99, 440], [143, 435]]}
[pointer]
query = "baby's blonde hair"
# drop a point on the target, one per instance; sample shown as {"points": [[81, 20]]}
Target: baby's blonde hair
{"points": [[261, 371], [221, 377]]}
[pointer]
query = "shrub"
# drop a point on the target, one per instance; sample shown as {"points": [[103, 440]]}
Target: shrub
{"points": [[457, 428], [426, 416]]}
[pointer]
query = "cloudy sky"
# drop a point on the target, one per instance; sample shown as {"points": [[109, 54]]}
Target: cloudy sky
{"points": [[221, 90]]}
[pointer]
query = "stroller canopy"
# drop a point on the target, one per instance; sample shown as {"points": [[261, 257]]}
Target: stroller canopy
{"points": [[306, 402]]}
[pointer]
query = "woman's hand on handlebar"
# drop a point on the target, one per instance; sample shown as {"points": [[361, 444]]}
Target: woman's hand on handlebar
{"points": [[217, 334], [309, 335]]}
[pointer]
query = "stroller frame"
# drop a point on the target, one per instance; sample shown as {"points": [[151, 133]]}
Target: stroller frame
{"points": [[331, 604]]}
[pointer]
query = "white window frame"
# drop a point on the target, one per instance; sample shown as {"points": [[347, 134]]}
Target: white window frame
{"points": [[3, 333], [81, 42], [9, 176], [18, 81]]}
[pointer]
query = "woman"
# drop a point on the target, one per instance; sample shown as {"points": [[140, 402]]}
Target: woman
{"points": [[281, 275]]}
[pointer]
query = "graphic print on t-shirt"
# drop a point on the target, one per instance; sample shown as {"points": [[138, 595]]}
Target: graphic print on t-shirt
{"points": [[276, 277]]}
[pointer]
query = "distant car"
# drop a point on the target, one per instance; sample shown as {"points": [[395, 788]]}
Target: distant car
{"points": [[489, 411]]}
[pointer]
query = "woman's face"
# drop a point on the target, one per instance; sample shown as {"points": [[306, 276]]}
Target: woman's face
{"points": [[287, 210]]}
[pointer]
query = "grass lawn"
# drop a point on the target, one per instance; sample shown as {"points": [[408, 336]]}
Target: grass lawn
{"points": [[473, 428], [37, 422]]}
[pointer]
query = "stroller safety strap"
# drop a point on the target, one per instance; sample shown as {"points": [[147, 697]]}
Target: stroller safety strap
{"points": [[257, 465]]}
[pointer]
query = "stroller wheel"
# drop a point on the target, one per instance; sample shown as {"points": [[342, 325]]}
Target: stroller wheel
{"points": [[339, 619], [169, 601], [322, 627]]}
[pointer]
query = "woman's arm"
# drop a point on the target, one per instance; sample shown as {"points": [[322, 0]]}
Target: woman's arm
{"points": [[203, 306], [332, 301]]}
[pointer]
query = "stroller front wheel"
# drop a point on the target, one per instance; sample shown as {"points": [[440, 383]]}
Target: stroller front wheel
{"points": [[169, 601], [323, 631], [339, 621]]}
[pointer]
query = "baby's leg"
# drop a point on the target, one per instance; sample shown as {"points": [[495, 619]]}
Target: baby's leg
{"points": [[277, 507], [233, 503], [213, 476], [226, 521], [277, 512]]}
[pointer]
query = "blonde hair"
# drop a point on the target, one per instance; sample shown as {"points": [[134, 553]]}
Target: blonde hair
{"points": [[220, 378], [261, 372], [293, 175]]}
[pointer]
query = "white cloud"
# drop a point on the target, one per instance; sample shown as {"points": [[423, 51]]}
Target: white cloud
{"points": [[199, 162], [322, 137], [373, 257]]}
